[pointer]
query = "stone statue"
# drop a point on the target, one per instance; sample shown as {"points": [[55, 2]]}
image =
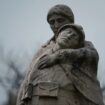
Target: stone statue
{"points": [[64, 71]]}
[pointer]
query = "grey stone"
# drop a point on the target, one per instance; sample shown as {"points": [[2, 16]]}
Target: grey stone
{"points": [[64, 71]]}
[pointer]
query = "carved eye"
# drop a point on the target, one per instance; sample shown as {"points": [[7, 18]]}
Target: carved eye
{"points": [[74, 36], [70, 31], [51, 22]]}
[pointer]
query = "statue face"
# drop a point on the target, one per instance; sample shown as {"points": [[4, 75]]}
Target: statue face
{"points": [[68, 38], [56, 21]]}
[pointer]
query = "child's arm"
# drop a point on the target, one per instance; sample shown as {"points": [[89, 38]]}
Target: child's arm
{"points": [[68, 55]]}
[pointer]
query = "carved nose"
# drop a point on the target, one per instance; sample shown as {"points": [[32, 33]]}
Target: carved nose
{"points": [[56, 25], [68, 35]]}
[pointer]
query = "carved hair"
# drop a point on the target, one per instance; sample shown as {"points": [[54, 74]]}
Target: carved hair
{"points": [[77, 28], [63, 10]]}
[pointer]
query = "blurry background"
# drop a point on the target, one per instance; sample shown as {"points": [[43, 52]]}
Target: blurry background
{"points": [[23, 29]]}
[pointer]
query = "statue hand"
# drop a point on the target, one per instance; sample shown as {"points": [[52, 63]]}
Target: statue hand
{"points": [[46, 61]]}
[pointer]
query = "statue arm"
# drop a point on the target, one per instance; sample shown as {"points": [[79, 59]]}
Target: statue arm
{"points": [[69, 55], [86, 53]]}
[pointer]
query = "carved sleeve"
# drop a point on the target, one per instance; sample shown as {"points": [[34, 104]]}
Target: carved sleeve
{"points": [[20, 93], [88, 52]]}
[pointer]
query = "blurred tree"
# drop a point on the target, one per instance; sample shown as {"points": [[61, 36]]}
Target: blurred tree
{"points": [[15, 83], [15, 66]]}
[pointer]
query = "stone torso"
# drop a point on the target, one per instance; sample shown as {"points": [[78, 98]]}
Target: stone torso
{"points": [[74, 89], [57, 73]]}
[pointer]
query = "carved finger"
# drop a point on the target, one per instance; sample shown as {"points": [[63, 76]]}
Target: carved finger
{"points": [[43, 61], [43, 56], [39, 65], [43, 66]]}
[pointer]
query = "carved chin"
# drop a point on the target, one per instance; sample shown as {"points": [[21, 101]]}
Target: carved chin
{"points": [[55, 31]]}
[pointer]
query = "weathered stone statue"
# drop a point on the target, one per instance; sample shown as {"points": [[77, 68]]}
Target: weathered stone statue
{"points": [[64, 71]]}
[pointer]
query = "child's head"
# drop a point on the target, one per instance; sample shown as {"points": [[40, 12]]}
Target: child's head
{"points": [[71, 36]]}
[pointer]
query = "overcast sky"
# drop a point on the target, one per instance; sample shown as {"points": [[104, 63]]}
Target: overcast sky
{"points": [[23, 25]]}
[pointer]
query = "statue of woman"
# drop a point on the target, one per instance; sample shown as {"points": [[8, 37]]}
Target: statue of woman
{"points": [[63, 75]]}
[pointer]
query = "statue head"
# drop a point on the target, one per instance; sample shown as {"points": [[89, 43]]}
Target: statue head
{"points": [[71, 36], [58, 16]]}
